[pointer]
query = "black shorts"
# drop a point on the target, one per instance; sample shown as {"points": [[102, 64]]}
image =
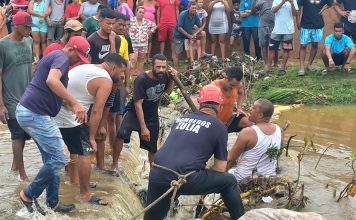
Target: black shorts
{"points": [[130, 123], [233, 123], [338, 58], [77, 140], [119, 103], [350, 32], [16, 131]]}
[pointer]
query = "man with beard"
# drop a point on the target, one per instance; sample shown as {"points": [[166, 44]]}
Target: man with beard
{"points": [[90, 84], [16, 56], [339, 50], [142, 111], [348, 16]]}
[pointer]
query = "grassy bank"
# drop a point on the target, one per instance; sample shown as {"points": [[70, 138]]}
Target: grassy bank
{"points": [[336, 87]]}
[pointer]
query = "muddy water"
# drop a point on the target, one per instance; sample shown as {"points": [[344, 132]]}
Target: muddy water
{"points": [[328, 124]]}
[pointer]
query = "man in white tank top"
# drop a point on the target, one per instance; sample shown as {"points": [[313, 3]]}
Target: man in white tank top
{"points": [[253, 142], [90, 84]]}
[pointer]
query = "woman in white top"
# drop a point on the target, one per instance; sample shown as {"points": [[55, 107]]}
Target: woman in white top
{"points": [[218, 23], [88, 9]]}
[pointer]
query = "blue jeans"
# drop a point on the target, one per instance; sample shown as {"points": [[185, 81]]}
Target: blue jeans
{"points": [[45, 132]]}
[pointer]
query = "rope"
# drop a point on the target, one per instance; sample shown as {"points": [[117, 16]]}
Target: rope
{"points": [[175, 185]]}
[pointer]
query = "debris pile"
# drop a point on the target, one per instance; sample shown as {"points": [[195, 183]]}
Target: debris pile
{"points": [[261, 192], [203, 72]]}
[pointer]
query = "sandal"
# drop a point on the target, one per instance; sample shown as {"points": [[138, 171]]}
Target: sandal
{"points": [[281, 72], [97, 201], [301, 73], [114, 173], [29, 206]]}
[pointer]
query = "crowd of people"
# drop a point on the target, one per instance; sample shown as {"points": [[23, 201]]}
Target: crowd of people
{"points": [[84, 55]]}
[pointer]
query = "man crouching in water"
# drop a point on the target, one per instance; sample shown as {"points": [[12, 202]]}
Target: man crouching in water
{"points": [[253, 142], [193, 139]]}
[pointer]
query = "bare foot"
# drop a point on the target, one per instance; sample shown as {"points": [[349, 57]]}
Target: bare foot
{"points": [[24, 197]]}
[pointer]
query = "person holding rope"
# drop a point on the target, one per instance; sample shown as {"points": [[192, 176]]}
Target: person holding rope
{"points": [[253, 143], [141, 113], [193, 139]]}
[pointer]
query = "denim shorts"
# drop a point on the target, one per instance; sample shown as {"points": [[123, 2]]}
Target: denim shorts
{"points": [[179, 45], [307, 36]]}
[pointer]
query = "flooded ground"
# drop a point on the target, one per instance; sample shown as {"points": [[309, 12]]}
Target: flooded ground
{"points": [[328, 124]]}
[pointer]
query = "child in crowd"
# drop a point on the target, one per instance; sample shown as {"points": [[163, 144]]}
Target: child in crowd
{"points": [[191, 46], [197, 45], [236, 22]]}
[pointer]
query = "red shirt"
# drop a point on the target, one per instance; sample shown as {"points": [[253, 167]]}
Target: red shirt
{"points": [[21, 5], [58, 46], [71, 11], [168, 11], [52, 47]]}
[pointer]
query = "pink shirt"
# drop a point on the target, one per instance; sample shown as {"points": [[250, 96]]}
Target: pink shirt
{"points": [[168, 11], [150, 12]]}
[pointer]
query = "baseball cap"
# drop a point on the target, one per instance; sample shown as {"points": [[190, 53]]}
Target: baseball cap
{"points": [[81, 47], [74, 25], [22, 18]]}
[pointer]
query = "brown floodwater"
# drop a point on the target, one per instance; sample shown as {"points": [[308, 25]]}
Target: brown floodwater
{"points": [[327, 124]]}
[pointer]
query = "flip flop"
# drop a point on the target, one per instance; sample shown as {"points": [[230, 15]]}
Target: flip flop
{"points": [[92, 185], [281, 72], [113, 173], [30, 209], [97, 201]]}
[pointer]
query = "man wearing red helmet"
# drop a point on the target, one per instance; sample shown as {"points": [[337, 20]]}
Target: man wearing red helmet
{"points": [[193, 139]]}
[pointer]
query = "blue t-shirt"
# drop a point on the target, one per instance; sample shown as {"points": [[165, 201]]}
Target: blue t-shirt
{"points": [[251, 20], [38, 97], [338, 46], [193, 139], [186, 23], [184, 3]]}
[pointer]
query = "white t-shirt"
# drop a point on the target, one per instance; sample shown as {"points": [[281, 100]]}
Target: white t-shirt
{"points": [[79, 78], [284, 22]]}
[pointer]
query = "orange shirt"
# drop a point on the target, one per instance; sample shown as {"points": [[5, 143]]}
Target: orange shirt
{"points": [[228, 103]]}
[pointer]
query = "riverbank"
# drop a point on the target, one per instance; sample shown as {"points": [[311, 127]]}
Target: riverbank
{"points": [[337, 87]]}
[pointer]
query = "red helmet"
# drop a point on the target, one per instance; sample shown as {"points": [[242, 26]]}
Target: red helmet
{"points": [[210, 93]]}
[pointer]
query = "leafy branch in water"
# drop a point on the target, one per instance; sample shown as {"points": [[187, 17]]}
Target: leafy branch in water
{"points": [[350, 189]]}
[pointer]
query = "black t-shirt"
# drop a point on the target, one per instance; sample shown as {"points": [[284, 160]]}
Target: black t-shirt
{"points": [[100, 48], [150, 91], [349, 5], [129, 42], [193, 139], [311, 19]]}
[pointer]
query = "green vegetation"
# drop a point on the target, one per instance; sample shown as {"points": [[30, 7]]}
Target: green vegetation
{"points": [[336, 87]]}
